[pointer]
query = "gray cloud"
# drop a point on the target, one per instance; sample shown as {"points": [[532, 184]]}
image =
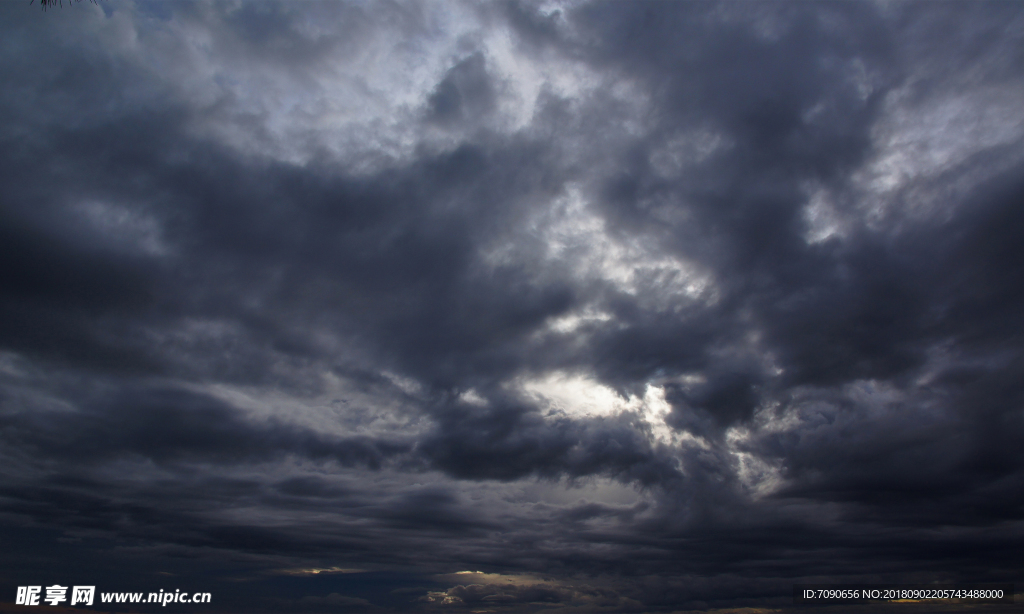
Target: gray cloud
{"points": [[629, 306]]}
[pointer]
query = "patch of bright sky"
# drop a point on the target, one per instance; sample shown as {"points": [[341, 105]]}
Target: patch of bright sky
{"points": [[573, 395], [569, 323], [578, 396]]}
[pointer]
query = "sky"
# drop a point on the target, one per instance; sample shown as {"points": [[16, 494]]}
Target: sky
{"points": [[553, 306]]}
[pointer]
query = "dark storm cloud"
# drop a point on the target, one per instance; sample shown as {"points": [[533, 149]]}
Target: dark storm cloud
{"points": [[507, 442], [787, 102], [398, 251], [646, 306], [464, 93]]}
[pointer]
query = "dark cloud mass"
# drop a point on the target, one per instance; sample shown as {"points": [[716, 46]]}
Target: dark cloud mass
{"points": [[511, 307]]}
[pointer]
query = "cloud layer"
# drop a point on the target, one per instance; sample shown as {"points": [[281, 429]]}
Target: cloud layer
{"points": [[611, 306]]}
